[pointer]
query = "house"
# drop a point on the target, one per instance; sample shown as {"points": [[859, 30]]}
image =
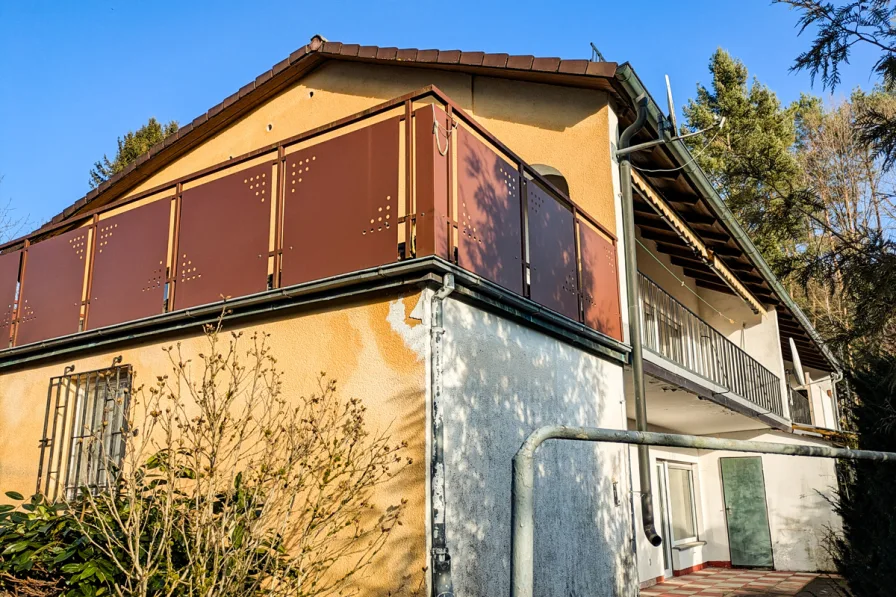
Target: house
{"points": [[442, 232]]}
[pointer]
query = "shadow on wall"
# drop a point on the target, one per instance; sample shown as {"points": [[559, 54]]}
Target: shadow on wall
{"points": [[490, 224], [502, 381], [399, 568]]}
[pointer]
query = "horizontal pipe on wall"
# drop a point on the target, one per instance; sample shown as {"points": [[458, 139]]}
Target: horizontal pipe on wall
{"points": [[522, 526]]}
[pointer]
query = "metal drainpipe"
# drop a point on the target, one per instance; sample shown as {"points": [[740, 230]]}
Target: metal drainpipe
{"points": [[634, 319], [441, 559]]}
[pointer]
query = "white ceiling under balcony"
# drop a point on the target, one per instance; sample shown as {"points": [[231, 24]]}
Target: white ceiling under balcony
{"points": [[673, 409]]}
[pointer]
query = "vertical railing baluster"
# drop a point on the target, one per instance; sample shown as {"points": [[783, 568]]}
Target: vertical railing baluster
{"points": [[676, 333]]}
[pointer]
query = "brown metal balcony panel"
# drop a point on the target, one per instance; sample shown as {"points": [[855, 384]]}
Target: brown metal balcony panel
{"points": [[50, 297], [552, 252], [129, 265], [488, 208], [431, 181], [223, 240], [341, 204], [9, 279], [467, 209], [600, 282]]}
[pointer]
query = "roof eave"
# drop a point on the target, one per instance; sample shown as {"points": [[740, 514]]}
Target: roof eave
{"points": [[633, 87]]}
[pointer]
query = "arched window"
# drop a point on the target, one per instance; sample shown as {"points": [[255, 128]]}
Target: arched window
{"points": [[554, 176]]}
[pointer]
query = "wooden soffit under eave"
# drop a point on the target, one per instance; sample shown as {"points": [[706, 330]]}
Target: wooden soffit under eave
{"points": [[693, 241]]}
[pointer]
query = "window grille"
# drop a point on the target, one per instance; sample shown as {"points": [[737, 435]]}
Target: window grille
{"points": [[83, 439]]}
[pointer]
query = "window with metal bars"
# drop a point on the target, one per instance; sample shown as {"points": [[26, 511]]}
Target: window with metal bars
{"points": [[83, 440]]}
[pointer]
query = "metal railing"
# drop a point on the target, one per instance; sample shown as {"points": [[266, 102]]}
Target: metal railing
{"points": [[515, 228], [800, 412], [676, 333]]}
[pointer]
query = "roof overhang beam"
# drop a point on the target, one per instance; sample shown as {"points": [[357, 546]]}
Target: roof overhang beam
{"points": [[692, 240]]}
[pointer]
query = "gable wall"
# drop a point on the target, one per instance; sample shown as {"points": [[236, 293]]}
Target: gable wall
{"points": [[563, 127]]}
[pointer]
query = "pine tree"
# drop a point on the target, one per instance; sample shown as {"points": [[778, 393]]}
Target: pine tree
{"points": [[130, 147], [751, 161]]}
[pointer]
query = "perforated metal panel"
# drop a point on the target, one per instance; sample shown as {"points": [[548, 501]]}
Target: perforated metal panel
{"points": [[600, 282], [552, 252], [341, 205], [129, 269], [9, 278], [431, 181], [488, 212], [51, 289], [224, 237]]}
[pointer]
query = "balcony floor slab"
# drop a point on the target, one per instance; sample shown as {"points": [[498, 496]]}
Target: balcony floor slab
{"points": [[683, 402]]}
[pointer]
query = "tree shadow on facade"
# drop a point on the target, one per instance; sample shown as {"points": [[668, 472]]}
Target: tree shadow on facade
{"points": [[502, 381]]}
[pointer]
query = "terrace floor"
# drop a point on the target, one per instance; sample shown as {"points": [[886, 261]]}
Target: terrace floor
{"points": [[725, 582]]}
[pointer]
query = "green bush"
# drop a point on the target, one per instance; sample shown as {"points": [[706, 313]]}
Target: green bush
{"points": [[865, 553], [43, 550]]}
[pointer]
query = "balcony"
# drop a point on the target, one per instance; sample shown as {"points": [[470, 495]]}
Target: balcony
{"points": [[675, 333], [412, 178], [800, 411]]}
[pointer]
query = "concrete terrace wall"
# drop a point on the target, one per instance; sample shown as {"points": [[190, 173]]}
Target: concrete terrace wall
{"points": [[502, 381]]}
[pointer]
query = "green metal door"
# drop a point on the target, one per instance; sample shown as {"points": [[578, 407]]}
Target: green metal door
{"points": [[746, 511]]}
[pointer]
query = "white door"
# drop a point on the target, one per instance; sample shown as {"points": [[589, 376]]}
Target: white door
{"points": [[665, 529], [678, 507]]}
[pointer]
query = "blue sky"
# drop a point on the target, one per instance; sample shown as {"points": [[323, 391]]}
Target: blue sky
{"points": [[76, 75]]}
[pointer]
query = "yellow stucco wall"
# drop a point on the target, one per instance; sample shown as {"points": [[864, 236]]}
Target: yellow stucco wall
{"points": [[563, 127], [375, 350]]}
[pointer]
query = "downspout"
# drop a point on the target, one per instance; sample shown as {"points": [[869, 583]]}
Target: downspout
{"points": [[634, 318], [440, 558], [836, 378]]}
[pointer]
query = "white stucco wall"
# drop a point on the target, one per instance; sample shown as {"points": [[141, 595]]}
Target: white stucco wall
{"points": [[502, 381], [650, 558], [824, 411], [659, 268], [798, 491]]}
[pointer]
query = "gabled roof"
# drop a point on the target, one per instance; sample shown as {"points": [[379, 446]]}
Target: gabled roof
{"points": [[679, 179], [576, 73]]}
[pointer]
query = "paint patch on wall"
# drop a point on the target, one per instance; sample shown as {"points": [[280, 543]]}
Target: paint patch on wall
{"points": [[412, 334]]}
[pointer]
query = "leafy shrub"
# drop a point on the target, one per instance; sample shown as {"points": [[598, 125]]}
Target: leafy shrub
{"points": [[44, 551]]}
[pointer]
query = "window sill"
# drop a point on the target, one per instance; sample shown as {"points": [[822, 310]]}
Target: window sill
{"points": [[688, 545]]}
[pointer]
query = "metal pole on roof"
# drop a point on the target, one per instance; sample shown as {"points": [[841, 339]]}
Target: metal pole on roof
{"points": [[522, 513]]}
